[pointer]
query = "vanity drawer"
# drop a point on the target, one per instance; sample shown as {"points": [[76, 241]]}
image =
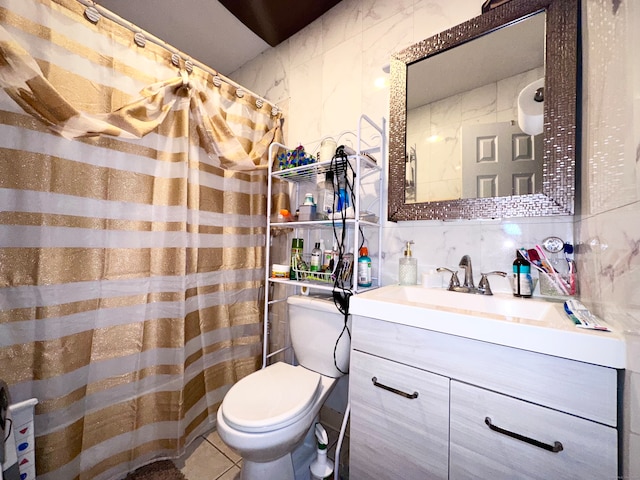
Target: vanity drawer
{"points": [[589, 449], [550, 381], [394, 435]]}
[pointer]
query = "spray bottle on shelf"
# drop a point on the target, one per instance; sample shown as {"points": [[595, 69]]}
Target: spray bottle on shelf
{"points": [[364, 268], [322, 467]]}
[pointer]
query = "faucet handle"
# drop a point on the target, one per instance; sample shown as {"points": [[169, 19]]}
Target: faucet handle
{"points": [[483, 286], [454, 281]]}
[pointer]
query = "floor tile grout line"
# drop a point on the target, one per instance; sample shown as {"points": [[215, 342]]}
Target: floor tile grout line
{"points": [[226, 471], [224, 454]]}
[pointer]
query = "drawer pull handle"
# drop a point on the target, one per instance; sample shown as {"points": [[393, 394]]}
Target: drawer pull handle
{"points": [[410, 396], [555, 448]]}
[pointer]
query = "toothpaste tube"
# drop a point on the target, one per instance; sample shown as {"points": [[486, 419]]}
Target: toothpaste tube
{"points": [[582, 317]]}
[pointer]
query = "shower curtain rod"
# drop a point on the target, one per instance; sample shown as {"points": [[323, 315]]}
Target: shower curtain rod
{"points": [[161, 43]]}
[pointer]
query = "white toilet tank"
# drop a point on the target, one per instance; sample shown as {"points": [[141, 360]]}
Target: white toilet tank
{"points": [[316, 326]]}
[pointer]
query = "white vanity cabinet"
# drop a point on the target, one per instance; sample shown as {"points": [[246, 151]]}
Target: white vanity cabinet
{"points": [[525, 440], [490, 411], [401, 422]]}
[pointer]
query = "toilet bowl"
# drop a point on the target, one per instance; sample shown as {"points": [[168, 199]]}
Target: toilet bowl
{"points": [[266, 415]]}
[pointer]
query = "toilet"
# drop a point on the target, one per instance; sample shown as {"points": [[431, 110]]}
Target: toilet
{"points": [[267, 415]]}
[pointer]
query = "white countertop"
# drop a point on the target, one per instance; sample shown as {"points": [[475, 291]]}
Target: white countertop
{"points": [[530, 324]]}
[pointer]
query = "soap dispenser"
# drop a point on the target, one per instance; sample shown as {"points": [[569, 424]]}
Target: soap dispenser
{"points": [[408, 268]]}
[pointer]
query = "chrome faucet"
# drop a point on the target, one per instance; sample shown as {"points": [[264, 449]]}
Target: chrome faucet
{"points": [[454, 283], [465, 262], [483, 287], [468, 286]]}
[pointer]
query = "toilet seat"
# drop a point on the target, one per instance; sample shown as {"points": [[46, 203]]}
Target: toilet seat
{"points": [[271, 398]]}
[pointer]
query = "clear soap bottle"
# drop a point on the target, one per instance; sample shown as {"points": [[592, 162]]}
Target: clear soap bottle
{"points": [[408, 268]]}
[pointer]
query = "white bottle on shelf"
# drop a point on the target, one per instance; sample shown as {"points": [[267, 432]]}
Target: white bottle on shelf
{"points": [[316, 258], [326, 194]]}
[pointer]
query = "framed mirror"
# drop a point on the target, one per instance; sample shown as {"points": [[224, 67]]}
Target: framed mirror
{"points": [[548, 32]]}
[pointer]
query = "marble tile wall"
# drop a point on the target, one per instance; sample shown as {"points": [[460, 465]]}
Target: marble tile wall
{"points": [[331, 71], [608, 229]]}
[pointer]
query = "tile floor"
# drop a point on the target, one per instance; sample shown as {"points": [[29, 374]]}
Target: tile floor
{"points": [[208, 458]]}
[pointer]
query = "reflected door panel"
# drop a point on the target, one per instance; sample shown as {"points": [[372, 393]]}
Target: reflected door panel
{"points": [[498, 159]]}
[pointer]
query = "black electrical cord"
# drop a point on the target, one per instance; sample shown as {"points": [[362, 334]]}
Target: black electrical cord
{"points": [[341, 295], [10, 422]]}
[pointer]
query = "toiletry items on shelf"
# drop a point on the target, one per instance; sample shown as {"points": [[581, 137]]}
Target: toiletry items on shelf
{"points": [[408, 268], [279, 271], [326, 194], [297, 244], [343, 195], [308, 199], [327, 149], [344, 272], [316, 258], [307, 211], [364, 268], [328, 257], [294, 158]]}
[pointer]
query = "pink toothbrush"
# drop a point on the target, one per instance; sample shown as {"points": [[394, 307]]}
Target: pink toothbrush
{"points": [[552, 271]]}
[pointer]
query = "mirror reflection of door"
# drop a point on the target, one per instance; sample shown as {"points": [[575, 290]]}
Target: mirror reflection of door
{"points": [[499, 160]]}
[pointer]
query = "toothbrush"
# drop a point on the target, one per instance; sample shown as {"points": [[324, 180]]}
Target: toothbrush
{"points": [[534, 257], [552, 271], [534, 260], [568, 250], [524, 254], [572, 277]]}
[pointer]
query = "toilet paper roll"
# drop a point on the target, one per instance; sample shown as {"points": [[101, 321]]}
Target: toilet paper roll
{"points": [[530, 111]]}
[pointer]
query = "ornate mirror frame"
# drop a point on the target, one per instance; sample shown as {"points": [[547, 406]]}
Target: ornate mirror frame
{"points": [[560, 117]]}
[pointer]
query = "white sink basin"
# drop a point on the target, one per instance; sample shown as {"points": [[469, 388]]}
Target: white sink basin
{"points": [[527, 323], [498, 304]]}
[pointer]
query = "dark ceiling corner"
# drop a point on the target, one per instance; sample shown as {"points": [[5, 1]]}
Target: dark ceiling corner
{"points": [[276, 20]]}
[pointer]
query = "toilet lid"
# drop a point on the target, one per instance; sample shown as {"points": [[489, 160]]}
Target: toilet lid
{"points": [[271, 398]]}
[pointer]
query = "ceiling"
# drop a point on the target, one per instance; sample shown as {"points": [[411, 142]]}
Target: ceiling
{"points": [[222, 34]]}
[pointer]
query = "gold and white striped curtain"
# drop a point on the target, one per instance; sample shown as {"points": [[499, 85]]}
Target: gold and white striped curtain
{"points": [[132, 227]]}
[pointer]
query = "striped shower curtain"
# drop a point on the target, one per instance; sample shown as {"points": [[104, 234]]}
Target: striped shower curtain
{"points": [[131, 239]]}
